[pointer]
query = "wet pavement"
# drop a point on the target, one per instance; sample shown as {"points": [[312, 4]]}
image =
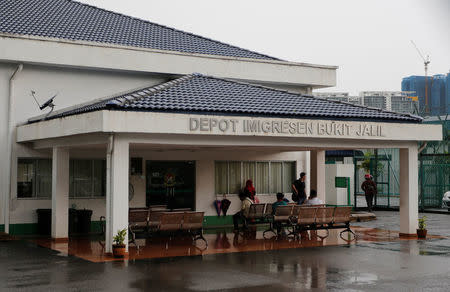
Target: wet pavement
{"points": [[400, 265], [220, 241]]}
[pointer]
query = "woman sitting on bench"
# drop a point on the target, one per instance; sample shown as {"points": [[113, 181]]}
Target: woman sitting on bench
{"points": [[239, 217]]}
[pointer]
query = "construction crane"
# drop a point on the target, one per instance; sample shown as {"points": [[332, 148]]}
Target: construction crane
{"points": [[426, 62]]}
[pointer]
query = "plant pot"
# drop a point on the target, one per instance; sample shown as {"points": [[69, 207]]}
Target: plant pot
{"points": [[119, 250], [421, 233]]}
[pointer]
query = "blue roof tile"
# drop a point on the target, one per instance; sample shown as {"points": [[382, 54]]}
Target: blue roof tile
{"points": [[67, 19], [196, 93]]}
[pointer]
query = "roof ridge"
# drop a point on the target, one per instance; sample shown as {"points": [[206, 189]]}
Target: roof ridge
{"points": [[312, 97], [172, 28], [128, 98]]}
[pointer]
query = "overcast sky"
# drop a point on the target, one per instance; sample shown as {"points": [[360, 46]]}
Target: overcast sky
{"points": [[368, 40]]}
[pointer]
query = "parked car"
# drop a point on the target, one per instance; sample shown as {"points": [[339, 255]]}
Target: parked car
{"points": [[446, 200]]}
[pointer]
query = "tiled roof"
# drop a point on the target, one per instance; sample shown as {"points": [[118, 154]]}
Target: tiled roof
{"points": [[67, 19], [196, 93]]}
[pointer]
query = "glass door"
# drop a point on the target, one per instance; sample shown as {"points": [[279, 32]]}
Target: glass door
{"points": [[170, 183]]}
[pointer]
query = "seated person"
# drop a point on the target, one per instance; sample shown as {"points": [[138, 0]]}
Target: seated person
{"points": [[280, 202], [245, 207], [313, 199]]}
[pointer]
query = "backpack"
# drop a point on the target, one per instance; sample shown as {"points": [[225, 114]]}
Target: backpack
{"points": [[370, 188], [295, 197]]}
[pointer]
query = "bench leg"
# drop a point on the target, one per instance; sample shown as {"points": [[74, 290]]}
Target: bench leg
{"points": [[197, 236], [133, 238], [347, 229], [323, 237]]}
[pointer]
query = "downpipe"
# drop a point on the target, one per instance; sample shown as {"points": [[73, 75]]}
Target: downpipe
{"points": [[9, 147], [108, 230]]}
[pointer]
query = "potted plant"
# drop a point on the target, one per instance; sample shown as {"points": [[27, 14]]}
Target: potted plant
{"points": [[119, 243], [422, 232]]}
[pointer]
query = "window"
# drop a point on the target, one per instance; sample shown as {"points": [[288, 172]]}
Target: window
{"points": [[261, 182], [34, 178], [269, 177], [87, 178]]}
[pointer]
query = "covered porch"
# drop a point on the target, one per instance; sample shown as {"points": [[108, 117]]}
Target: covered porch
{"points": [[287, 128]]}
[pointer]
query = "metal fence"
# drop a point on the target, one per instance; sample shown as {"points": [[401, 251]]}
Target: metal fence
{"points": [[434, 181], [384, 176]]}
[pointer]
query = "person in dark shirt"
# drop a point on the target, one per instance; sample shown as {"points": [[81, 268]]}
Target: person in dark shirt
{"points": [[298, 189], [370, 190], [280, 202]]}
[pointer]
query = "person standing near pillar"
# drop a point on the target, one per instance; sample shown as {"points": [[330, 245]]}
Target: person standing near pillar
{"points": [[298, 189], [370, 190]]}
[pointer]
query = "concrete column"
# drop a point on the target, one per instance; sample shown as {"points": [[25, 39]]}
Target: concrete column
{"points": [[60, 194], [307, 169], [116, 189], [409, 194], [317, 175]]}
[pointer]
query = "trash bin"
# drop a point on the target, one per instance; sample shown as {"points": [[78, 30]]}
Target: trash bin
{"points": [[73, 220], [84, 221], [44, 221]]}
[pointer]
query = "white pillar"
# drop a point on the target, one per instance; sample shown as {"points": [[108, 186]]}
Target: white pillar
{"points": [[116, 189], [409, 198], [60, 193], [317, 174]]}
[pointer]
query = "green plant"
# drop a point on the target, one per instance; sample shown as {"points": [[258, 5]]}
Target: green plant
{"points": [[423, 223], [368, 163], [119, 238]]}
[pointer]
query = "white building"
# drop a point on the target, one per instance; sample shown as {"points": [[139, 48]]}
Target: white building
{"points": [[397, 101], [339, 96], [127, 92]]}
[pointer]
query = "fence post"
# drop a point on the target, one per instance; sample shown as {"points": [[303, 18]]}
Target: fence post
{"points": [[421, 174]]}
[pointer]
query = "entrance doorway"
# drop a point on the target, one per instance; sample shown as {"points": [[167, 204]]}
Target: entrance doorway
{"points": [[170, 183]]}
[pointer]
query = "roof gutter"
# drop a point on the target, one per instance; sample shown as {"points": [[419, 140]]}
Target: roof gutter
{"points": [[9, 147]]}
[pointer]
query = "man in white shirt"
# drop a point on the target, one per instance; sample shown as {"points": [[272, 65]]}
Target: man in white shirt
{"points": [[313, 199]]}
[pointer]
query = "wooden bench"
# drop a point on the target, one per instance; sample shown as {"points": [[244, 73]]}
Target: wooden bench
{"points": [[302, 218], [258, 214], [138, 219], [189, 222]]}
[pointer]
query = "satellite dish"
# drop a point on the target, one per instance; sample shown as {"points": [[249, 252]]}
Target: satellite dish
{"points": [[48, 103]]}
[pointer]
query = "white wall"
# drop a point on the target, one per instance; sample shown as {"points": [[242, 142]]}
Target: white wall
{"points": [[23, 210], [74, 86], [338, 196]]}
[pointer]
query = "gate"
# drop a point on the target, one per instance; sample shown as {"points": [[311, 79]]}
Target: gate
{"points": [[380, 166], [434, 182]]}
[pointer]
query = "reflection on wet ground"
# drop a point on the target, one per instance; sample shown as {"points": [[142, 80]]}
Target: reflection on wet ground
{"points": [[220, 241], [377, 261]]}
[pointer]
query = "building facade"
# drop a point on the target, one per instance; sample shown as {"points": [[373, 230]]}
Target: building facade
{"points": [[397, 101], [433, 93], [147, 115]]}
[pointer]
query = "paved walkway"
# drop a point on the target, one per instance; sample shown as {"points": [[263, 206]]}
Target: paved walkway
{"points": [[403, 265]]}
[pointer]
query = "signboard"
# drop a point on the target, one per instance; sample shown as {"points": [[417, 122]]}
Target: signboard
{"points": [[341, 182], [286, 127]]}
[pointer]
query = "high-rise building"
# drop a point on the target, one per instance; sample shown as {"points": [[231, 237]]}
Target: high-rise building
{"points": [[437, 103], [447, 94], [438, 93]]}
